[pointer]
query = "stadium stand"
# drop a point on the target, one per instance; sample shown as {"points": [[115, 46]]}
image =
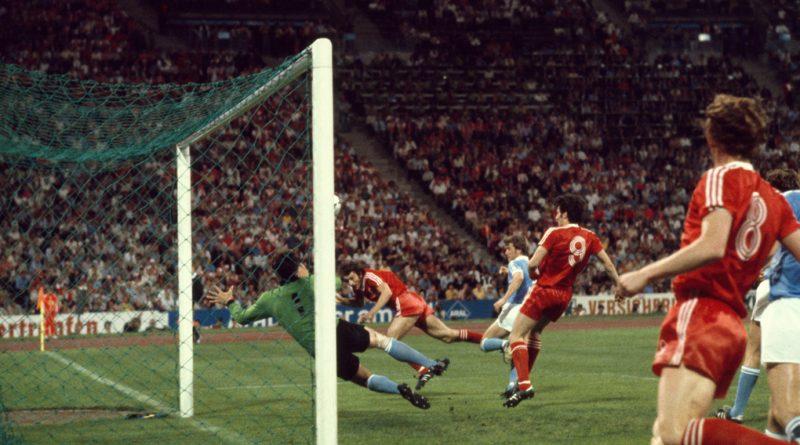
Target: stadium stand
{"points": [[492, 138], [429, 256], [489, 144]]}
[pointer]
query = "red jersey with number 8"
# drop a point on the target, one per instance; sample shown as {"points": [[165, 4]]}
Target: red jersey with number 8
{"points": [[761, 216], [568, 251]]}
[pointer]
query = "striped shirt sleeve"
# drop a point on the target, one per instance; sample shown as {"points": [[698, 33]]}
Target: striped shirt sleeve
{"points": [[720, 189], [372, 280], [547, 240]]}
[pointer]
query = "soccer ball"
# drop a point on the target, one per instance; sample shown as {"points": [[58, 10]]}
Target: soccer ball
{"points": [[337, 205]]}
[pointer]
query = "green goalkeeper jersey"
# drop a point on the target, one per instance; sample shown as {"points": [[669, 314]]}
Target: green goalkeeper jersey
{"points": [[292, 305]]}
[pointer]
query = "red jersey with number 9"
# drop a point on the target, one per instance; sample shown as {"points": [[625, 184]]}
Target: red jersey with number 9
{"points": [[761, 216], [568, 251]]}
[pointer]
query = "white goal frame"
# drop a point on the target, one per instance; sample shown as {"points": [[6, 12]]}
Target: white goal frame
{"points": [[317, 58]]}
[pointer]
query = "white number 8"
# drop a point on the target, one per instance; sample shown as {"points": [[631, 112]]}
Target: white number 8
{"points": [[748, 239], [577, 250]]}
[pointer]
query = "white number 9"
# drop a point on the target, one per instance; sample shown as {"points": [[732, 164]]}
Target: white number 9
{"points": [[577, 250]]}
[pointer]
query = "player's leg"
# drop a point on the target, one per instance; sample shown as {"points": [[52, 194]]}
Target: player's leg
{"points": [[535, 314], [525, 345], [784, 385], [400, 326], [781, 355], [748, 375], [436, 328], [505, 321], [774, 430], [701, 343], [494, 338], [352, 337], [751, 365], [382, 384], [683, 397], [349, 367], [398, 350], [523, 326]]}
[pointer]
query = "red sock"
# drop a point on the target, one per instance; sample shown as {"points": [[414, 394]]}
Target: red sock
{"points": [[723, 432], [534, 346], [519, 352], [419, 368], [470, 336]]}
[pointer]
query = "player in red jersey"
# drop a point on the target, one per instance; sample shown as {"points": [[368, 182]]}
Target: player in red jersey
{"points": [[733, 221], [563, 252], [385, 288], [48, 307]]}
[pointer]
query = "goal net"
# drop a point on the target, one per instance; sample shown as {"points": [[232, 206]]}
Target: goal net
{"points": [[122, 206]]}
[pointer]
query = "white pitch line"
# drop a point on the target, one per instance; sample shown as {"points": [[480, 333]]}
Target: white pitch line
{"points": [[151, 401]]}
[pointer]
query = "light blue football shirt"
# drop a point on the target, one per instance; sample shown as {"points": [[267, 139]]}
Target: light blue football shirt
{"points": [[784, 276], [519, 264]]}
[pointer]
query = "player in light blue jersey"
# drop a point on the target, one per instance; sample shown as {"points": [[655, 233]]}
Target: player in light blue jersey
{"points": [[781, 280], [780, 339], [784, 279], [519, 284]]}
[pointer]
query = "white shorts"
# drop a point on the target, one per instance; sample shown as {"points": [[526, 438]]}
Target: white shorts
{"points": [[780, 329], [507, 316], [762, 301]]}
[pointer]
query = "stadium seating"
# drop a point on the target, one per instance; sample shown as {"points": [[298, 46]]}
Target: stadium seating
{"points": [[597, 118], [429, 256], [590, 114]]}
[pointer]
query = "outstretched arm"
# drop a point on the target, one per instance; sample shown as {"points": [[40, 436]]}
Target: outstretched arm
{"points": [[516, 282], [256, 311], [354, 301], [386, 293], [537, 257], [792, 244], [611, 270], [710, 246]]}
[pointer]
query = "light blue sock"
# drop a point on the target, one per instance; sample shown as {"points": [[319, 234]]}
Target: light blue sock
{"points": [[491, 344], [512, 376], [381, 383], [747, 380], [401, 351]]}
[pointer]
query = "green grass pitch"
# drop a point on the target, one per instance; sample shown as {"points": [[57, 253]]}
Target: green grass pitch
{"points": [[593, 386]]}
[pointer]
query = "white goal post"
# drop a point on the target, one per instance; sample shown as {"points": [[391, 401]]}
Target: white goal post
{"points": [[318, 58]]}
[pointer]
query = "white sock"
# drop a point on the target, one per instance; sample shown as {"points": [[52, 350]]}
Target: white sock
{"points": [[793, 429]]}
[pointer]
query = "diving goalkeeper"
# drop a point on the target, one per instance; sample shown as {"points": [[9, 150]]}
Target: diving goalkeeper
{"points": [[292, 305]]}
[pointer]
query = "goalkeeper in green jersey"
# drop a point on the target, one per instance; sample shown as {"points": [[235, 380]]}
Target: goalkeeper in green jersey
{"points": [[292, 305]]}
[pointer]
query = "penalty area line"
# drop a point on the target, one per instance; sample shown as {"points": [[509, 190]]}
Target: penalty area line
{"points": [[227, 435]]}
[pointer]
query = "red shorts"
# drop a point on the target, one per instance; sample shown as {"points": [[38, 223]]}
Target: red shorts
{"points": [[546, 302], [704, 335], [411, 304]]}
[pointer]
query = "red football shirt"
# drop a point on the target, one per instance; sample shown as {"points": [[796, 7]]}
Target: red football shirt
{"points": [[49, 304], [568, 251], [761, 216], [373, 278]]}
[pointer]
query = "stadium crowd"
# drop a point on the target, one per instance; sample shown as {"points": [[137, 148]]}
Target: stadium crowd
{"points": [[494, 149], [120, 256], [275, 39], [590, 115]]}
